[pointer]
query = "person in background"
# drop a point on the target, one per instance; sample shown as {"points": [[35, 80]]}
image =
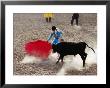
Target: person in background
{"points": [[48, 16], [57, 34], [75, 17]]}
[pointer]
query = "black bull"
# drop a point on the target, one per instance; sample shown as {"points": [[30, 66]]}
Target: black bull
{"points": [[71, 48]]}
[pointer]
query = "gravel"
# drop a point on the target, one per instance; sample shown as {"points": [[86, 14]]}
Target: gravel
{"points": [[31, 26]]}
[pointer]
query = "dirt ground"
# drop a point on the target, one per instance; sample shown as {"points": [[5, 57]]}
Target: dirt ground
{"points": [[32, 26]]}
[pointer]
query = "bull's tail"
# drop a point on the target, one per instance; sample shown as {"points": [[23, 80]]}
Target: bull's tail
{"points": [[91, 48]]}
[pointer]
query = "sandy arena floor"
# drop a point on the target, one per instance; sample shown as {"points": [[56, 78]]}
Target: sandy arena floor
{"points": [[30, 27]]}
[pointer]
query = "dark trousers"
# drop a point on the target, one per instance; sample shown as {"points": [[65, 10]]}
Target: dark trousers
{"points": [[72, 21], [48, 19]]}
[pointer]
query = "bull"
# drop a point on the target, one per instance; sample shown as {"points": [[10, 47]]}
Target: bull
{"points": [[71, 48]]}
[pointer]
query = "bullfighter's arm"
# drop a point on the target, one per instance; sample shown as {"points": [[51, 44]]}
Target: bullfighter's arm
{"points": [[50, 36]]}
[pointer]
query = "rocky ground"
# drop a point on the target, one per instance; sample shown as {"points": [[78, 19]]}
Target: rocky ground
{"points": [[31, 26]]}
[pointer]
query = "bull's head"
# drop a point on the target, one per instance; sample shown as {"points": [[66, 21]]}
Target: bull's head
{"points": [[54, 47]]}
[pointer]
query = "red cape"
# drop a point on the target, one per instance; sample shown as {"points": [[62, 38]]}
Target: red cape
{"points": [[38, 48]]}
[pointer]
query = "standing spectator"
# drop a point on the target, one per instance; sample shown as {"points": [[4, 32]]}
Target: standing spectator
{"points": [[75, 17], [48, 16]]}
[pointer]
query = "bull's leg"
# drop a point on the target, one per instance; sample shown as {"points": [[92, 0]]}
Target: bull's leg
{"points": [[62, 59], [85, 55], [83, 62], [58, 55], [83, 58], [58, 60]]}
